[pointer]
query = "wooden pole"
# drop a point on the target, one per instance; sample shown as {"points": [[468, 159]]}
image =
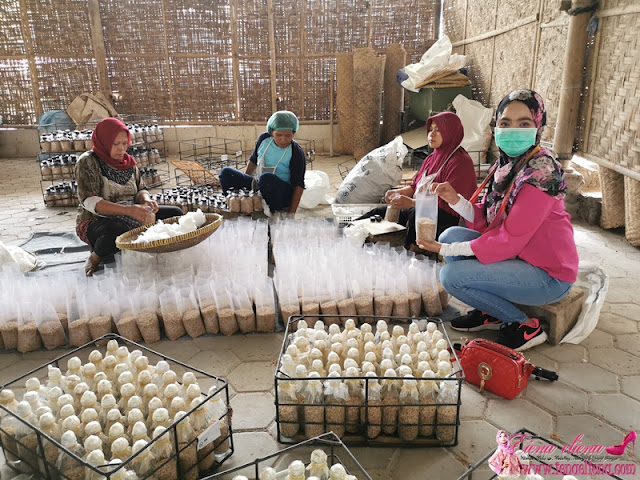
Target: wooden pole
{"points": [[569, 102], [167, 60], [272, 52], [97, 39], [28, 47], [235, 62], [590, 95], [303, 51], [331, 89]]}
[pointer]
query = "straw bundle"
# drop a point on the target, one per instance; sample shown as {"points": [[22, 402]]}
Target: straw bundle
{"points": [[396, 59], [632, 210], [344, 102], [612, 198], [368, 75]]}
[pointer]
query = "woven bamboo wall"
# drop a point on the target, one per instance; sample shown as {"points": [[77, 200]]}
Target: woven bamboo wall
{"points": [[195, 61], [522, 44], [615, 114]]}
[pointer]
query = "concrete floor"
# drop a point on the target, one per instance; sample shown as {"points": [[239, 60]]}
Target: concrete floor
{"points": [[598, 394]]}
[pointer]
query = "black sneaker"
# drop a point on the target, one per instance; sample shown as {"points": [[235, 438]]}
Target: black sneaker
{"points": [[522, 336], [475, 320]]}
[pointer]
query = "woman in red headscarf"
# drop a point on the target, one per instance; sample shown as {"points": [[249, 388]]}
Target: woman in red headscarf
{"points": [[112, 195], [448, 162]]}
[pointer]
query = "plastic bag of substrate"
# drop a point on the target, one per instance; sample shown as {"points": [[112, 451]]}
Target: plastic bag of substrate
{"points": [[374, 174]]}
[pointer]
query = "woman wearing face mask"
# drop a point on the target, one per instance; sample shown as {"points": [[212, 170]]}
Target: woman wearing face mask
{"points": [[520, 247], [448, 162], [111, 193], [278, 164]]}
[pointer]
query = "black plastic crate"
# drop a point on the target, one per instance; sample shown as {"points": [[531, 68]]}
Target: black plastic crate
{"points": [[360, 433], [336, 451], [33, 459], [548, 466]]}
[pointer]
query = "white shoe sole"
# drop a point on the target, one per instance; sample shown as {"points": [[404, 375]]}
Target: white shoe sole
{"points": [[538, 340]]}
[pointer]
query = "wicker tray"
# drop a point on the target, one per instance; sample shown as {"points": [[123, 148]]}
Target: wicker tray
{"points": [[173, 244]]}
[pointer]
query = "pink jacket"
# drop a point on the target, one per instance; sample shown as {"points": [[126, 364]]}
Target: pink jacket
{"points": [[537, 230]]}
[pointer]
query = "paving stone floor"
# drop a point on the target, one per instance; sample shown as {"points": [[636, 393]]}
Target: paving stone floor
{"points": [[598, 394]]}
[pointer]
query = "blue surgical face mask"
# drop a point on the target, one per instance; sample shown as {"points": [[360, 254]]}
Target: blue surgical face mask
{"points": [[515, 141]]}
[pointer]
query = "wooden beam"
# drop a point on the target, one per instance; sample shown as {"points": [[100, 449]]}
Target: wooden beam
{"points": [[31, 57], [167, 60], [498, 31], [303, 54], [614, 12], [97, 40], [610, 165], [235, 63], [272, 52]]}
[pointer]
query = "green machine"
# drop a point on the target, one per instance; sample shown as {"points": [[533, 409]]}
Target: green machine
{"points": [[433, 100]]}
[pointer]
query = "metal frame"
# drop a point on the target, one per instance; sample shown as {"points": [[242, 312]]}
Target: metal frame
{"points": [[51, 472], [361, 439], [328, 439]]}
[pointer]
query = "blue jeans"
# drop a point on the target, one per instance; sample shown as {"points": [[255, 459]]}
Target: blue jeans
{"points": [[495, 287], [276, 192]]}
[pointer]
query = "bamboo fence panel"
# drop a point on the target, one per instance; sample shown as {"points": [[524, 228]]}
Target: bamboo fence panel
{"points": [[16, 94], [368, 76], [10, 30], [479, 62], [345, 102], [615, 117], [511, 10], [392, 98], [203, 89], [195, 61], [454, 21]]}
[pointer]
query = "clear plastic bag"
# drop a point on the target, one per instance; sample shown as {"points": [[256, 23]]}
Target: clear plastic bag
{"points": [[171, 308], [28, 337], [145, 309], [336, 394], [426, 216], [207, 303], [226, 314], [49, 326], [9, 325], [265, 306], [382, 300], [123, 311], [243, 308], [191, 319]]}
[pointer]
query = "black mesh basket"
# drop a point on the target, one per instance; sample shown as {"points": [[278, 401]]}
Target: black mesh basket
{"points": [[37, 453], [362, 431], [329, 442]]}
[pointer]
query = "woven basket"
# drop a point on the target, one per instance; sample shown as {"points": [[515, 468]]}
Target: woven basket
{"points": [[173, 244], [612, 198]]}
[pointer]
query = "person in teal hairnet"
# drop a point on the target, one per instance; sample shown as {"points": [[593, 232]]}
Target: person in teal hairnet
{"points": [[277, 164]]}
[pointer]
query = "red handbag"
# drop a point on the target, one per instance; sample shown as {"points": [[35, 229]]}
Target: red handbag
{"points": [[498, 369]]}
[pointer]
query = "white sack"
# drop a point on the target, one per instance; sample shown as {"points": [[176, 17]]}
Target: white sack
{"points": [[374, 174], [595, 282], [316, 184]]}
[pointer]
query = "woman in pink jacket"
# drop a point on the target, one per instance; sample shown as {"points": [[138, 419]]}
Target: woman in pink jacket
{"points": [[519, 248]]}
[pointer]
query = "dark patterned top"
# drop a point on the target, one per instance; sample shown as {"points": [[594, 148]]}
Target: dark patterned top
{"points": [[95, 178]]}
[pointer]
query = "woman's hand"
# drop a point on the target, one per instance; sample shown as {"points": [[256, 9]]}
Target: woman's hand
{"points": [[445, 191], [402, 202], [389, 195], [152, 204], [141, 213], [431, 246]]}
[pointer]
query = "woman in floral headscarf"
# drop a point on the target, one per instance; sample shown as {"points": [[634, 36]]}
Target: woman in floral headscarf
{"points": [[520, 247]]}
